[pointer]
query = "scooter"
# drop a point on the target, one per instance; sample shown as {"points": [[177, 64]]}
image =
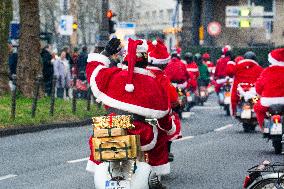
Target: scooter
{"points": [[245, 112], [123, 164], [273, 127], [224, 95], [265, 175], [190, 100]]}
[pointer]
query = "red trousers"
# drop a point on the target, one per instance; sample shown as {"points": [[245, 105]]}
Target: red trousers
{"points": [[234, 99], [260, 113]]}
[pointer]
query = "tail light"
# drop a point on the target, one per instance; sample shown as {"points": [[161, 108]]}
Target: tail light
{"points": [[276, 119], [247, 182], [187, 93]]}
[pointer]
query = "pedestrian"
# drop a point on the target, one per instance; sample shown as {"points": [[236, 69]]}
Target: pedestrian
{"points": [[82, 62], [75, 56], [62, 72], [68, 56], [12, 61], [47, 69]]}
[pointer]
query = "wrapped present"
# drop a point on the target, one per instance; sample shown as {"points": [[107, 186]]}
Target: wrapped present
{"points": [[116, 148], [109, 132], [118, 121]]}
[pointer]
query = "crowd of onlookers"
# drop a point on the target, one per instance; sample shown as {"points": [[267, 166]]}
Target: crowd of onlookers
{"points": [[65, 65]]}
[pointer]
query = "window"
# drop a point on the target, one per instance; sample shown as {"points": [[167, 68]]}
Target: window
{"points": [[154, 14], [161, 15], [170, 14], [267, 4], [138, 16]]}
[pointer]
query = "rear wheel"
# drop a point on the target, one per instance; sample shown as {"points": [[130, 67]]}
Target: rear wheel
{"points": [[248, 127], [277, 146]]}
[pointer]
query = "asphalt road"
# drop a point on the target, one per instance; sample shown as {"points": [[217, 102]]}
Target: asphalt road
{"points": [[214, 153]]}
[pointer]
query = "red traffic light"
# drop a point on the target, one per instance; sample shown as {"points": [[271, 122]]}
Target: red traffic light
{"points": [[109, 14]]}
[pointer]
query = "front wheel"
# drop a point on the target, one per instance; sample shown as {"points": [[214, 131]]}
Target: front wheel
{"points": [[268, 183], [277, 146]]}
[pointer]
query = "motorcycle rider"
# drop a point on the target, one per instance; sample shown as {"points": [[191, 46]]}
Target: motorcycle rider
{"points": [[220, 71], [270, 85], [204, 78], [131, 90], [192, 70], [243, 71], [210, 65], [158, 59]]}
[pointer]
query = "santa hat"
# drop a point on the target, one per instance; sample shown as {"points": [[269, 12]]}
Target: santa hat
{"points": [[133, 89], [206, 56], [276, 57], [158, 53], [226, 49], [238, 58]]}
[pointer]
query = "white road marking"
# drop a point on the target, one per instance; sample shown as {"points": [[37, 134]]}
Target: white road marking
{"points": [[223, 128], [187, 114], [78, 160], [184, 138], [7, 177], [206, 108]]}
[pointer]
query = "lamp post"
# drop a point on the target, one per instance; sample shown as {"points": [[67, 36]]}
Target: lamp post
{"points": [[104, 33]]}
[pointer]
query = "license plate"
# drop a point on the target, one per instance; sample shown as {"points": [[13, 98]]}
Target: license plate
{"points": [[189, 99], [227, 100], [266, 130], [276, 129], [117, 185], [246, 114]]}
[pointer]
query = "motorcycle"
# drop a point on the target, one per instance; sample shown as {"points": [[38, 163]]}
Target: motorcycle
{"points": [[123, 164], [245, 112], [265, 175], [273, 127], [190, 100], [182, 98], [224, 95]]}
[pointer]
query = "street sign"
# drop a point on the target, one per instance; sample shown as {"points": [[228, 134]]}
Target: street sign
{"points": [[14, 30], [214, 28], [239, 22], [65, 26], [244, 11], [126, 25]]}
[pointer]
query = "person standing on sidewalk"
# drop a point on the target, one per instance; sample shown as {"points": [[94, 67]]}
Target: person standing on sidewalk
{"points": [[47, 69]]}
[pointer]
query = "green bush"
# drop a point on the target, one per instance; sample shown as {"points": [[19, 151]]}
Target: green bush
{"points": [[215, 52]]}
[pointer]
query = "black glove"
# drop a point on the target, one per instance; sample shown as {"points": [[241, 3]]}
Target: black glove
{"points": [[112, 47]]}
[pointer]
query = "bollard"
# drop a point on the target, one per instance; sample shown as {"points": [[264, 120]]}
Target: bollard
{"points": [[52, 97], [74, 100], [36, 93], [89, 98], [14, 91]]}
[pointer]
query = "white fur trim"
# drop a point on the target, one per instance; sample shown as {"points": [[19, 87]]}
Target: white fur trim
{"points": [[147, 112], [192, 69], [182, 86], [267, 101], [129, 88], [141, 71], [164, 169], [98, 58], [247, 60], [232, 63], [156, 61], [152, 144], [153, 68], [91, 166], [174, 127], [155, 42], [273, 61]]}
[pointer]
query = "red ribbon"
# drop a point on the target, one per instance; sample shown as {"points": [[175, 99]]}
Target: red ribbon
{"points": [[110, 119]]}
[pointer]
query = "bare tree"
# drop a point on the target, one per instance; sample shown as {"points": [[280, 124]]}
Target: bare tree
{"points": [[29, 46], [6, 14]]}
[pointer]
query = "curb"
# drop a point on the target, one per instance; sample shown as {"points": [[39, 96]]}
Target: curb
{"points": [[38, 128]]}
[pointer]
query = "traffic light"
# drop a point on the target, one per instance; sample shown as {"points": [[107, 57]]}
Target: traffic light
{"points": [[111, 23], [75, 26]]}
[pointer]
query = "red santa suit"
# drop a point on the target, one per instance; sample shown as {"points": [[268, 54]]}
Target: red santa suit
{"points": [[193, 73], [270, 85], [244, 71], [220, 71], [134, 90], [158, 55], [176, 72]]}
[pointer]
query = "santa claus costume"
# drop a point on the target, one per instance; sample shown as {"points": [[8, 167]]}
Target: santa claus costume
{"points": [[270, 85], [158, 59], [210, 65], [243, 71], [131, 90], [193, 72], [220, 71]]}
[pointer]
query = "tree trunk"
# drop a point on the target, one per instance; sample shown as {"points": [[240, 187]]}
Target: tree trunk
{"points": [[186, 24], [29, 66], [6, 15]]}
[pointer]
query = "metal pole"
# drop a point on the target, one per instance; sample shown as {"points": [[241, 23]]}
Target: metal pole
{"points": [[52, 97], [74, 100], [196, 7], [89, 98], [14, 91], [37, 85], [104, 34]]}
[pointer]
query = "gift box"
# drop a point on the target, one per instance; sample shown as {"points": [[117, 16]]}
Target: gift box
{"points": [[109, 132], [116, 148], [118, 121]]}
